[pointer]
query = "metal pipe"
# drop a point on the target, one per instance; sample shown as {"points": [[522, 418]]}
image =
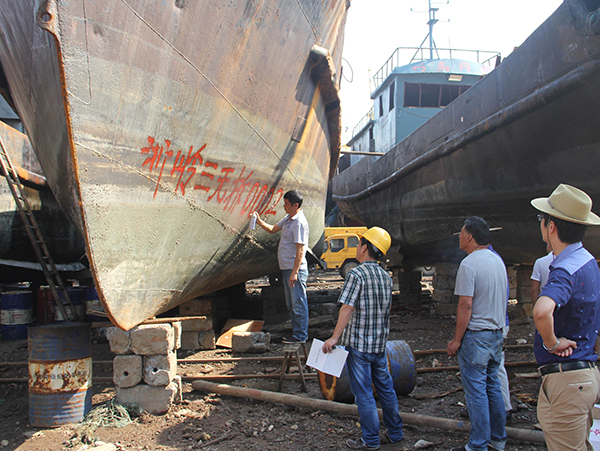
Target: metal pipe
{"points": [[443, 351], [279, 358], [247, 376], [24, 380], [346, 409]]}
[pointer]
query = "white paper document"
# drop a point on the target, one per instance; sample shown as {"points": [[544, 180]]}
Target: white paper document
{"points": [[331, 363]]}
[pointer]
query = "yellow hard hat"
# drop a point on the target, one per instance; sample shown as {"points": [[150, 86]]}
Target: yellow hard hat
{"points": [[379, 238]]}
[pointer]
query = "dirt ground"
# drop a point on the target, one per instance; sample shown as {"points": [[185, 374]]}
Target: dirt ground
{"points": [[218, 422]]}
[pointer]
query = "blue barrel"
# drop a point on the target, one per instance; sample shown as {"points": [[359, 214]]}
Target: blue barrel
{"points": [[60, 374], [401, 363], [77, 296], [16, 313]]}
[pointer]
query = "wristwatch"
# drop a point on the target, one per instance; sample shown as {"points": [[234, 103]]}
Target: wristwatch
{"points": [[553, 348]]}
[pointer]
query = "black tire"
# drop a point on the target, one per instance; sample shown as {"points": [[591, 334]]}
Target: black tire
{"points": [[347, 267]]}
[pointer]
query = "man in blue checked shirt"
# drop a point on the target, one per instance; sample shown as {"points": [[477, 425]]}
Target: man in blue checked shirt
{"points": [[567, 319], [364, 326]]}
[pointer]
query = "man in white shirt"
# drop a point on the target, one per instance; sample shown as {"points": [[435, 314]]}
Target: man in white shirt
{"points": [[539, 275], [292, 262]]}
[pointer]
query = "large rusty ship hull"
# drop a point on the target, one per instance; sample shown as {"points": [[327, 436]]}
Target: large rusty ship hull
{"points": [[529, 125], [161, 125]]}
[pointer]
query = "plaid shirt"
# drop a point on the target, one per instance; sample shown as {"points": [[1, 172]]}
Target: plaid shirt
{"points": [[368, 288]]}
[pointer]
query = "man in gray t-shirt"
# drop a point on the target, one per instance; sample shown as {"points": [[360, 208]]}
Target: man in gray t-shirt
{"points": [[292, 262], [481, 284]]}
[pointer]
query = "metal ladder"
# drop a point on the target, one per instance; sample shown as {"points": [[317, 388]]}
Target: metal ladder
{"points": [[37, 241]]}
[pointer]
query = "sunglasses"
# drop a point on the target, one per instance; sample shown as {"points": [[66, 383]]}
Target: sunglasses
{"points": [[540, 217]]}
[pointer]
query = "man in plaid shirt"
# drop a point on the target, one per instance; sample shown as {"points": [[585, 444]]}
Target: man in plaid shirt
{"points": [[364, 326]]}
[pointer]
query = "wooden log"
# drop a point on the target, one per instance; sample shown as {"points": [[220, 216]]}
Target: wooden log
{"points": [[347, 409]]}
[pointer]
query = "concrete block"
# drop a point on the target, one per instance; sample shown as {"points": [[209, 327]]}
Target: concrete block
{"points": [[119, 340], [189, 340], [127, 370], [197, 324], [443, 296], [160, 369], [197, 307], [523, 274], [250, 341], [525, 309], [328, 308], [445, 309], [178, 399], [446, 269], [177, 329], [206, 339], [152, 339], [273, 292], [443, 282], [523, 294], [154, 400]]}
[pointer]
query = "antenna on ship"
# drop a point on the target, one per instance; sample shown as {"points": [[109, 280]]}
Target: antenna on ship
{"points": [[432, 21]]}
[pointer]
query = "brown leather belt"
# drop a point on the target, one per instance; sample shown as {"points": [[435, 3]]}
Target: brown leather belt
{"points": [[567, 366]]}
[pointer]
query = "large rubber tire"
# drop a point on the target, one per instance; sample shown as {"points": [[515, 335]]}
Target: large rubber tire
{"points": [[347, 267]]}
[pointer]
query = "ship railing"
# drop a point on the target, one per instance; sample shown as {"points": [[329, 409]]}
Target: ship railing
{"points": [[401, 55], [363, 122]]}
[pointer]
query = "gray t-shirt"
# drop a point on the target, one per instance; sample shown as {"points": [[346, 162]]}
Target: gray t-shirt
{"points": [[294, 231], [482, 275]]}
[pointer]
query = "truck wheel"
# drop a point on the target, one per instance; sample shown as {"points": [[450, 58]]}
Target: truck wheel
{"points": [[347, 267]]}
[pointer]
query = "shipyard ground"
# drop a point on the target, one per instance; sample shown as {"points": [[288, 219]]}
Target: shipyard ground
{"points": [[218, 422]]}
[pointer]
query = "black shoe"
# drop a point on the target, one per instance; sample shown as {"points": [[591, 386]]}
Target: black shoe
{"points": [[292, 340], [359, 444], [387, 438]]}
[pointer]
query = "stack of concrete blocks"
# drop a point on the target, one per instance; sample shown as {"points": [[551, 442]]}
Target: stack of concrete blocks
{"points": [[273, 299], [444, 281], [198, 334], [409, 286], [523, 290], [145, 368]]}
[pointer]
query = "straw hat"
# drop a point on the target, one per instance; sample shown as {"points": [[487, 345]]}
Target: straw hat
{"points": [[568, 203]]}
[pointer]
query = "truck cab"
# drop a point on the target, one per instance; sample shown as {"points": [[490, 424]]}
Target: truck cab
{"points": [[340, 248]]}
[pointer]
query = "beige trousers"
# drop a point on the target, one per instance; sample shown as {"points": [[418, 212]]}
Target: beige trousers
{"points": [[565, 406]]}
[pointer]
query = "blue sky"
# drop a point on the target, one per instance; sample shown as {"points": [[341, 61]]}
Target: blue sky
{"points": [[375, 28]]}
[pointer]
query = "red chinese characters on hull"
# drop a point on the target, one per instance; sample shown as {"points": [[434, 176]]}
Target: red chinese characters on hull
{"points": [[227, 188]]}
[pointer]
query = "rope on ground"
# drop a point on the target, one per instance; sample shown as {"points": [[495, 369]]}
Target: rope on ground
{"points": [[109, 414]]}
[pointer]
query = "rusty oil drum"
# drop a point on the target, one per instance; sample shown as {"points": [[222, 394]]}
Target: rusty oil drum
{"points": [[60, 374], [401, 363], [16, 313]]}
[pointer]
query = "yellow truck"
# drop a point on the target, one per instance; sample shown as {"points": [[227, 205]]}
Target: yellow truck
{"points": [[340, 248]]}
